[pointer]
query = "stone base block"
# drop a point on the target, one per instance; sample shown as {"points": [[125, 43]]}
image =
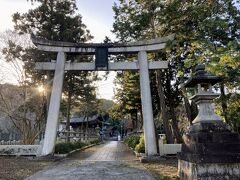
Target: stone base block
{"points": [[20, 150], [167, 149], [151, 159], [208, 171]]}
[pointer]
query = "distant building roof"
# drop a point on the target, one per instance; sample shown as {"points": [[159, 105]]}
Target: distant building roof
{"points": [[84, 119]]}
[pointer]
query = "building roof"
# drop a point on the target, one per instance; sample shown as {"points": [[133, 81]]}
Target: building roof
{"points": [[84, 119]]}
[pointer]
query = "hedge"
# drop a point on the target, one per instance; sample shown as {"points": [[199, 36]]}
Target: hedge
{"points": [[63, 148]]}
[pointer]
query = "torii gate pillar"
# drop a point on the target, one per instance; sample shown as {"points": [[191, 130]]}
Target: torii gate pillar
{"points": [[146, 98], [54, 106]]}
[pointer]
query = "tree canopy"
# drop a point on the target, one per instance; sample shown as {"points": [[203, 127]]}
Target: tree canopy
{"points": [[205, 32]]}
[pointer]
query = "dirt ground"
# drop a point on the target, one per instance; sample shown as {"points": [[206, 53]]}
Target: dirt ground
{"points": [[18, 168], [166, 169]]}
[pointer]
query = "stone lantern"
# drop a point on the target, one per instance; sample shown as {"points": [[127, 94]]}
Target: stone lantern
{"points": [[210, 150], [202, 82]]}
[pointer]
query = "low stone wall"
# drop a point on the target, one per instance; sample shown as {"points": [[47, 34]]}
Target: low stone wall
{"points": [[20, 150]]}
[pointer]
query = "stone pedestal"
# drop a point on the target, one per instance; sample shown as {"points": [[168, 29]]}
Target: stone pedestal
{"points": [[211, 151], [208, 171]]}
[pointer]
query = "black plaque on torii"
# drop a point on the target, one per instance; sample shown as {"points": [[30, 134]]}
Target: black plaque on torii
{"points": [[101, 61]]}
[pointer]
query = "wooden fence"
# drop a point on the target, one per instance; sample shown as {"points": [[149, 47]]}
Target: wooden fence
{"points": [[15, 139]]}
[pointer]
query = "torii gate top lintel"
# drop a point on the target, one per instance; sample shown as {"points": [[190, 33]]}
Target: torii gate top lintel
{"points": [[101, 50], [128, 47]]}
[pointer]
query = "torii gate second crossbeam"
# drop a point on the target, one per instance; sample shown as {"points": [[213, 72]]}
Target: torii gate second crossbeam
{"points": [[101, 50]]}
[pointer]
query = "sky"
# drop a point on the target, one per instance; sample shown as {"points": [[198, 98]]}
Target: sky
{"points": [[96, 14]]}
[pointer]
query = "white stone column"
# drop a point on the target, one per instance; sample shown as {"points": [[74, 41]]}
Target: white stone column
{"points": [[146, 99], [54, 106]]}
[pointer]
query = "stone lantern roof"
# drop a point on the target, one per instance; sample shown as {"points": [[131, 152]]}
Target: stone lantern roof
{"points": [[202, 77]]}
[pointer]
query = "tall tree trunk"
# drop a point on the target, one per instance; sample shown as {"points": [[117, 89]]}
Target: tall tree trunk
{"points": [[137, 121], [68, 117], [156, 136], [69, 102], [186, 101], [224, 102], [194, 110], [82, 129], [175, 127], [166, 126], [141, 118], [187, 107], [87, 130]]}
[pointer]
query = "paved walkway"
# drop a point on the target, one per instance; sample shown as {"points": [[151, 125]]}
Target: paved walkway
{"points": [[109, 161]]}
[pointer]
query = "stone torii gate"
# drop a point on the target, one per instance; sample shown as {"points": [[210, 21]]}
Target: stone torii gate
{"points": [[101, 52]]}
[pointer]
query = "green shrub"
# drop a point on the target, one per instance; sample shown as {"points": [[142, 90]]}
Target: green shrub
{"points": [[140, 148], [79, 144], [132, 141], [63, 148], [96, 141]]}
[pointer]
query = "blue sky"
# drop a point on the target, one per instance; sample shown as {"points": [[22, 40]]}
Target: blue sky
{"points": [[97, 15]]}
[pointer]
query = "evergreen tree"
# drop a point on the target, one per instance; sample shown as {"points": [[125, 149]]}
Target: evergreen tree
{"points": [[59, 21], [127, 93], [138, 17]]}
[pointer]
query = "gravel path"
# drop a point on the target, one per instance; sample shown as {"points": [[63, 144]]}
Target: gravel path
{"points": [[110, 161]]}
